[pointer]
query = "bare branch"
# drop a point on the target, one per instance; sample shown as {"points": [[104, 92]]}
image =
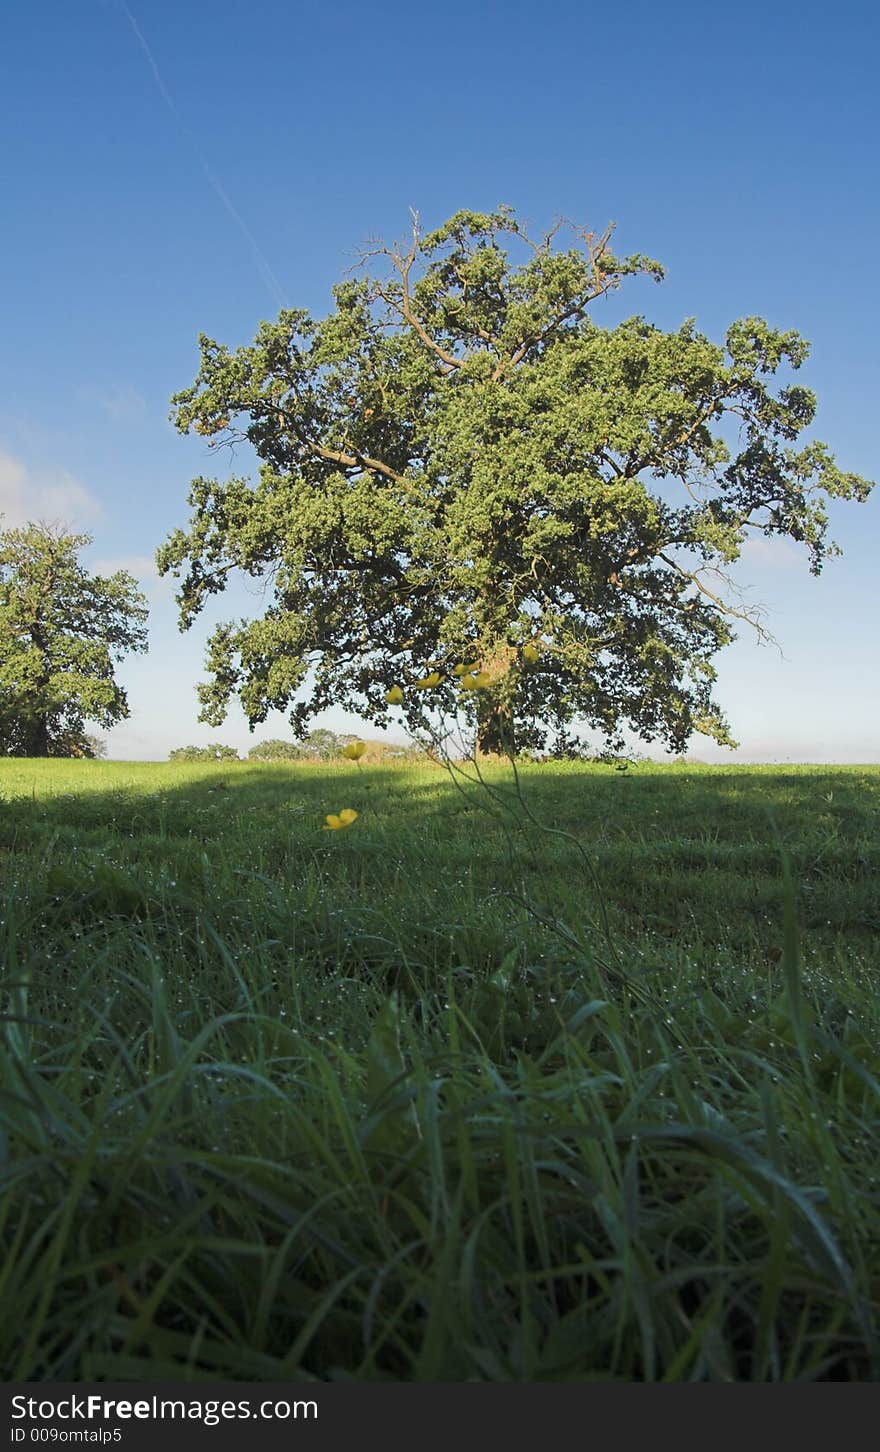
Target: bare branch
{"points": [[749, 618], [402, 263]]}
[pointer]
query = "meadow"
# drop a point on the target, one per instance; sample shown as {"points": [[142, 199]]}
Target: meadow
{"points": [[569, 1077]]}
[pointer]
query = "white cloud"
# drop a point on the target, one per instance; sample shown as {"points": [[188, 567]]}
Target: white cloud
{"points": [[43, 494], [773, 549], [143, 567]]}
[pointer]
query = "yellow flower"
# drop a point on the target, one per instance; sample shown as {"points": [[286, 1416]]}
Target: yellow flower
{"points": [[427, 683], [355, 750], [531, 652], [345, 819], [475, 681], [394, 696]]}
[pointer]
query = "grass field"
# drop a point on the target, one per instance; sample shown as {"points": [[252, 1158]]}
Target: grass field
{"points": [[447, 1095]]}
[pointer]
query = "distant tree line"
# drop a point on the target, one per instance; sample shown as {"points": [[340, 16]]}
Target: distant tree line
{"points": [[321, 744]]}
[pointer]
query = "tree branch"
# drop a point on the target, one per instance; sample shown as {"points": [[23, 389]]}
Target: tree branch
{"points": [[403, 264], [597, 250], [355, 460], [717, 600]]}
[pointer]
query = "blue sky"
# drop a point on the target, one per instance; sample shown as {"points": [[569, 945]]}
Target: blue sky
{"points": [[183, 166]]}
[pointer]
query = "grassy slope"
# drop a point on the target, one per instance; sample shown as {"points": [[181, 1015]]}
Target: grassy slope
{"points": [[415, 1100]]}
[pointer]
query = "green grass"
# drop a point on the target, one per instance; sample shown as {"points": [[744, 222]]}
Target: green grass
{"points": [[443, 1096]]}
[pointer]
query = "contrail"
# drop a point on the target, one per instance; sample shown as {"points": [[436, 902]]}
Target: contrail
{"points": [[213, 181]]}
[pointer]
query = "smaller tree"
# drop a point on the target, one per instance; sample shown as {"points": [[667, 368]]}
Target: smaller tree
{"points": [[323, 743], [214, 751], [275, 750], [62, 631]]}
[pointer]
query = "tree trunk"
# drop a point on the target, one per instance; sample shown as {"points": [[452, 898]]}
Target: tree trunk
{"points": [[495, 722], [495, 734], [38, 726], [38, 737]]}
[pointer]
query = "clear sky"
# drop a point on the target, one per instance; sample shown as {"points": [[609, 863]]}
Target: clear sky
{"points": [[189, 165]]}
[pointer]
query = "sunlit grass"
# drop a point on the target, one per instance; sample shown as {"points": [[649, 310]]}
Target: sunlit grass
{"points": [[427, 1098]]}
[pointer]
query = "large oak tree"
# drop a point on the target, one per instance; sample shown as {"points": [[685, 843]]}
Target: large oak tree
{"points": [[459, 463], [61, 632]]}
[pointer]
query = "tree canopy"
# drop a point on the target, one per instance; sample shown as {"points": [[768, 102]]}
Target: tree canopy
{"points": [[459, 465], [61, 632]]}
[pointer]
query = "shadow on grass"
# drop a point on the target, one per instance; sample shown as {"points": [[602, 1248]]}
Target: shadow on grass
{"points": [[680, 854]]}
